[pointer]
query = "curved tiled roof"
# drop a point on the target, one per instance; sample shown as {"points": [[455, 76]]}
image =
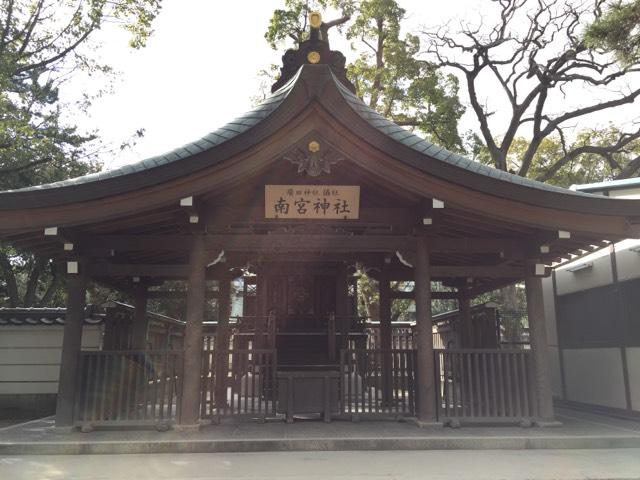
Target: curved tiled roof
{"points": [[235, 127], [312, 83], [425, 147]]}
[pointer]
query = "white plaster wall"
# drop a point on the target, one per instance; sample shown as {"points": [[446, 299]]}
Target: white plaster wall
{"points": [[30, 357], [594, 375], [625, 193], [633, 366], [597, 276]]}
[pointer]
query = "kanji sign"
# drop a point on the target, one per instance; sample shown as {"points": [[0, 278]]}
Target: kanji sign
{"points": [[319, 202]]}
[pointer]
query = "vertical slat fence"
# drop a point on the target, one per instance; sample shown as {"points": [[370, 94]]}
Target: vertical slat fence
{"points": [[249, 384], [378, 382], [484, 385], [128, 387]]}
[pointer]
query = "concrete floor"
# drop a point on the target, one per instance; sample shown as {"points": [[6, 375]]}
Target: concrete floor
{"points": [[451, 465], [579, 430]]}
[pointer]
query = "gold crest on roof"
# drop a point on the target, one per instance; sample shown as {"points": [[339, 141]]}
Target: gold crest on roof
{"points": [[313, 57], [315, 19]]}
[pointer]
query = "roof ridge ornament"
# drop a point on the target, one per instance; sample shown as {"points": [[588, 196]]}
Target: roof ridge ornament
{"points": [[315, 50]]}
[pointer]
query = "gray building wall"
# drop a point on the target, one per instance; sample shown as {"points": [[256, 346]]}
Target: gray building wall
{"points": [[602, 373], [30, 364]]}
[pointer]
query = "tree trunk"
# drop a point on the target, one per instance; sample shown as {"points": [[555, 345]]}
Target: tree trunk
{"points": [[10, 279]]}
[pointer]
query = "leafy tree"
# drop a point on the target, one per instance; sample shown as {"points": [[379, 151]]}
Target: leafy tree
{"points": [[590, 160], [43, 43], [617, 30], [534, 55], [387, 72]]}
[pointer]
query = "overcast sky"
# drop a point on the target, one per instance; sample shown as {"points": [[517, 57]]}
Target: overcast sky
{"points": [[200, 70]]}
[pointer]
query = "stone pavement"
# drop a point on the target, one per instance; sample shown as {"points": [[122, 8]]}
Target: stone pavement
{"points": [[438, 465], [579, 430]]}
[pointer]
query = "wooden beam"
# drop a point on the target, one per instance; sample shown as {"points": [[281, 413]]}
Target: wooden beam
{"points": [[475, 245], [397, 295], [138, 242], [461, 271], [306, 243], [138, 270], [223, 217], [176, 294], [395, 273], [300, 243]]}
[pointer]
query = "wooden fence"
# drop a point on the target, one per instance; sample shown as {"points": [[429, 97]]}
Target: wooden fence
{"points": [[378, 382], [128, 387], [484, 385], [247, 387], [401, 338]]}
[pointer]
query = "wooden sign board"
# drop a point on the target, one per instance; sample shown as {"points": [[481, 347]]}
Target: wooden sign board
{"points": [[312, 202]]}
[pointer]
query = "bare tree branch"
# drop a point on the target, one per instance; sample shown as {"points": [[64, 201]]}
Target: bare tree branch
{"points": [[534, 53]]}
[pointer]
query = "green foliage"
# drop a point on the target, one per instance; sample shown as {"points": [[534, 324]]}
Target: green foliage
{"points": [[618, 30], [551, 164], [387, 72], [391, 79], [291, 21], [43, 43]]}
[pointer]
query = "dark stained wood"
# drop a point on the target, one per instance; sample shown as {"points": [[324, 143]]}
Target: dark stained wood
{"points": [[181, 271], [190, 405], [426, 407], [140, 319], [251, 243], [466, 327], [76, 286], [384, 305], [342, 306], [222, 343], [539, 349]]}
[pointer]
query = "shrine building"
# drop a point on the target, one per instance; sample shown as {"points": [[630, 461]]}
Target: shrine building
{"points": [[285, 203]]}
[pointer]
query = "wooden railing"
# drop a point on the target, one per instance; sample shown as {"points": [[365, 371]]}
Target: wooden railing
{"points": [[378, 382], [128, 387], [248, 387], [486, 385], [401, 338]]}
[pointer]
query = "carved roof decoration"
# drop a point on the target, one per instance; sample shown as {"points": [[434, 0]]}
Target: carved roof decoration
{"points": [[315, 50], [314, 158]]}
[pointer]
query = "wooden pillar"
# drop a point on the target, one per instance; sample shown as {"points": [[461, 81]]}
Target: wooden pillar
{"points": [[222, 342], [539, 347], [426, 380], [262, 307], [71, 346], [342, 305], [193, 346], [111, 335], [465, 324], [140, 319], [384, 314]]}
